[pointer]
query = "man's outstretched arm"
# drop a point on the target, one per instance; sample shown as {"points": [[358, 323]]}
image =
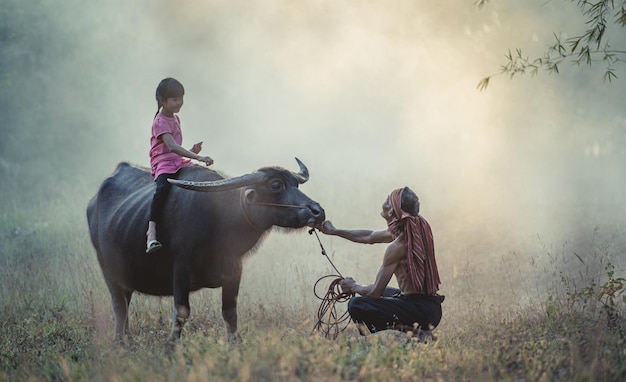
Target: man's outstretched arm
{"points": [[363, 236]]}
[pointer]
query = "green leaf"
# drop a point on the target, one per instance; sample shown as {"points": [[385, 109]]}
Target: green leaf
{"points": [[482, 85], [609, 75]]}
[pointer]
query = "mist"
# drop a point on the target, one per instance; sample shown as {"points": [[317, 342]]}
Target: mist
{"points": [[370, 95]]}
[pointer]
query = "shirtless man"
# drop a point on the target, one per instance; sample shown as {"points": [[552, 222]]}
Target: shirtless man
{"points": [[410, 256]]}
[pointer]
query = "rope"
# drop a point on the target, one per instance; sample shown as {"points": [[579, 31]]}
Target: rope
{"points": [[279, 205], [245, 214], [311, 231], [328, 322]]}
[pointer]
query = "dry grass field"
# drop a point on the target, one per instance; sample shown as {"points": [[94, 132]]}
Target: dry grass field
{"points": [[538, 316]]}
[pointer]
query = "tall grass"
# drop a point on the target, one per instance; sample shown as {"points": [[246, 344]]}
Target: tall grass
{"points": [[513, 312]]}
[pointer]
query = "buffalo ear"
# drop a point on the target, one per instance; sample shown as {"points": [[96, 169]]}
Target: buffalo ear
{"points": [[250, 196]]}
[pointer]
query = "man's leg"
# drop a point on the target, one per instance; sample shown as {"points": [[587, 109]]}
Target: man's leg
{"points": [[394, 313], [371, 313]]}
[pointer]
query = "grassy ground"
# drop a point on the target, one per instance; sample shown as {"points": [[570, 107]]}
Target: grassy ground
{"points": [[526, 316]]}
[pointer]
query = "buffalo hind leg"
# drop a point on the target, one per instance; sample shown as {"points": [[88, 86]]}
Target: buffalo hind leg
{"points": [[230, 291], [120, 299], [182, 310]]}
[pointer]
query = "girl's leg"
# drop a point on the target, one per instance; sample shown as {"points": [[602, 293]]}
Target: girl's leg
{"points": [[151, 234], [156, 209]]}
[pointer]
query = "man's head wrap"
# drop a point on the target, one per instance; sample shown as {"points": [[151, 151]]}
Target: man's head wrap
{"points": [[420, 257]]}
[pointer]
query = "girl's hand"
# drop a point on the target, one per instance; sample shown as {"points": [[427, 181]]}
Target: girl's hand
{"points": [[196, 148], [207, 160]]}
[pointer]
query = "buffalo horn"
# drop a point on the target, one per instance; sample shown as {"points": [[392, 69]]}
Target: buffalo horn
{"points": [[303, 175], [222, 184]]}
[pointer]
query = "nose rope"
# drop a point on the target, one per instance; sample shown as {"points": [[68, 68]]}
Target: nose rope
{"points": [[245, 214], [247, 217], [279, 205]]}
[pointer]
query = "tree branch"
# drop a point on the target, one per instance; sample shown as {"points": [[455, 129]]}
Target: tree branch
{"points": [[578, 47]]}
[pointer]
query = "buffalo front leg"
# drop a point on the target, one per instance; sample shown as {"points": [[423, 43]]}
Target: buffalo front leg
{"points": [[230, 291], [182, 310]]}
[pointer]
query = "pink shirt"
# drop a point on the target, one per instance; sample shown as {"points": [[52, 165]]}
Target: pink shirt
{"points": [[162, 159]]}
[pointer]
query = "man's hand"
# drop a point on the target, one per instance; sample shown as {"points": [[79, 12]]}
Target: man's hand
{"points": [[347, 285], [327, 228]]}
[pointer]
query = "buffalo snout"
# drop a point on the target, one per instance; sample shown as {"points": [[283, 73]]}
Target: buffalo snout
{"points": [[318, 214]]}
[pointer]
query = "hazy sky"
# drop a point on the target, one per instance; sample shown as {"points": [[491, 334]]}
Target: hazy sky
{"points": [[370, 95]]}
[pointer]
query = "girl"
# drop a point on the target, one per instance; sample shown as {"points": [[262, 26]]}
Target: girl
{"points": [[166, 153]]}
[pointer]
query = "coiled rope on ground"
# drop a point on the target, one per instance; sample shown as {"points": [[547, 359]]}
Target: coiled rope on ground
{"points": [[328, 321]]}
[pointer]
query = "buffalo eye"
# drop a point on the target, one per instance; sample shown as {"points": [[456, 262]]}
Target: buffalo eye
{"points": [[277, 185]]}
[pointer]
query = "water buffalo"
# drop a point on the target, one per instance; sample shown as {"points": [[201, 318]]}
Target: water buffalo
{"points": [[205, 234]]}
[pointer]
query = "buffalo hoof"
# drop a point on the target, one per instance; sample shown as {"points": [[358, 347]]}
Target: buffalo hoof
{"points": [[235, 338], [126, 341], [171, 345]]}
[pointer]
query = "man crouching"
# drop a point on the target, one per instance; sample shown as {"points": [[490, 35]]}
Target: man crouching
{"points": [[410, 256]]}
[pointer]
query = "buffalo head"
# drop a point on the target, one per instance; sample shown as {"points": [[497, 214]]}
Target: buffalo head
{"points": [[268, 197]]}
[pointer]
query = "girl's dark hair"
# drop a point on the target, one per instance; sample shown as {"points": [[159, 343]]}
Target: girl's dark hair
{"points": [[168, 88], [410, 202]]}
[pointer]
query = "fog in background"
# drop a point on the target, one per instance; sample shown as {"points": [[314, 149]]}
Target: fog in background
{"points": [[370, 95]]}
